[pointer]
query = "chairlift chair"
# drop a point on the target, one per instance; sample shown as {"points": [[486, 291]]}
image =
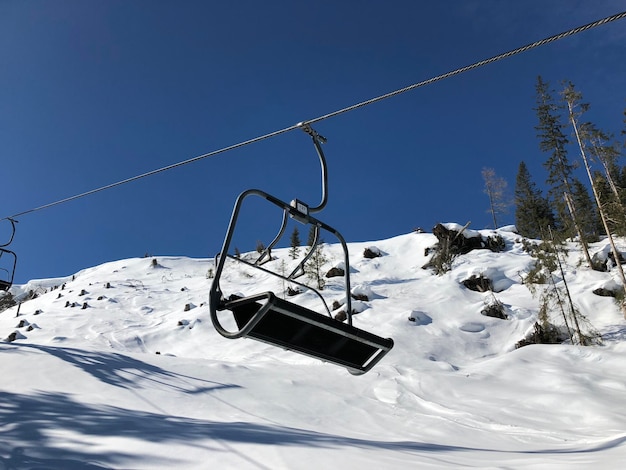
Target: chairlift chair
{"points": [[7, 273], [268, 318]]}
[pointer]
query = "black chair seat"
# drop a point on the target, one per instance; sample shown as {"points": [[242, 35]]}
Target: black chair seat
{"points": [[296, 328]]}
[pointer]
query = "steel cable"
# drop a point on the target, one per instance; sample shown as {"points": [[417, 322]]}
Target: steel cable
{"points": [[362, 104]]}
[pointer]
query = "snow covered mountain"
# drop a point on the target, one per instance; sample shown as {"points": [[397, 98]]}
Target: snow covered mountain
{"points": [[120, 367]]}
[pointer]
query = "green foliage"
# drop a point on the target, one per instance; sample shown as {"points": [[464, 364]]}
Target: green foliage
{"points": [[444, 255], [558, 317], [294, 251], [7, 300], [311, 238], [532, 211], [545, 264], [315, 263], [587, 211], [552, 140]]}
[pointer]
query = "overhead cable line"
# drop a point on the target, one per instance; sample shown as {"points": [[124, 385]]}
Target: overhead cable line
{"points": [[519, 50]]}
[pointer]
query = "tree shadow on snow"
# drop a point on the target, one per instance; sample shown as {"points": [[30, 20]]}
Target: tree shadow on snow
{"points": [[33, 424], [124, 371], [30, 422]]}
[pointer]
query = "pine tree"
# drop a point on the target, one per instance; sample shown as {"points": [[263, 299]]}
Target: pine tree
{"points": [[532, 211], [312, 234], [315, 263], [559, 318], [554, 142], [495, 189], [587, 211], [294, 251]]}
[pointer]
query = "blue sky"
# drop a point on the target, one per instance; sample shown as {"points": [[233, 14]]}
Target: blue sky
{"points": [[94, 92]]}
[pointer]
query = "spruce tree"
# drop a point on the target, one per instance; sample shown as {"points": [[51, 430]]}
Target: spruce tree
{"points": [[314, 265], [554, 142], [294, 251], [532, 211], [587, 211], [311, 238]]}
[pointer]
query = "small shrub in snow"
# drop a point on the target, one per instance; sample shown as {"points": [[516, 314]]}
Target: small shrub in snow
{"points": [[7, 301], [546, 334], [495, 243], [495, 309]]}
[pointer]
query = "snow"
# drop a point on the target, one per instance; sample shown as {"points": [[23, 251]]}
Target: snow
{"points": [[140, 379]]}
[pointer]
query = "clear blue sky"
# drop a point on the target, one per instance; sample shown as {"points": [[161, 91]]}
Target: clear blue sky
{"points": [[93, 92]]}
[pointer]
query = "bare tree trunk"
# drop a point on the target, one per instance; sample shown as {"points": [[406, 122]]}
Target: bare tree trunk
{"points": [[603, 217], [583, 241]]}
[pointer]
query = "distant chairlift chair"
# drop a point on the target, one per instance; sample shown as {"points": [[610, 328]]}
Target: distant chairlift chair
{"points": [[7, 268], [268, 318]]}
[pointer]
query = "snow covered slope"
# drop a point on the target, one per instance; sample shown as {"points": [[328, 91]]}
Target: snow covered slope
{"points": [[121, 368]]}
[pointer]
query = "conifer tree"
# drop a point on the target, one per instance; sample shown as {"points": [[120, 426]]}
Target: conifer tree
{"points": [[532, 211], [315, 263], [559, 318], [587, 211], [294, 251], [554, 142], [311, 238]]}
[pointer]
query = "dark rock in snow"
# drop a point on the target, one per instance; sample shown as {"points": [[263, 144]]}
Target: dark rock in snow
{"points": [[372, 252], [603, 292], [478, 284], [335, 272]]}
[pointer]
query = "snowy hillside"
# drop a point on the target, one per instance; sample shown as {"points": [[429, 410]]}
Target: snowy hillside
{"points": [[120, 367]]}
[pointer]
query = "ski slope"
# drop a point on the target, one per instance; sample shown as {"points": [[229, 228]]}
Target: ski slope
{"points": [[139, 379]]}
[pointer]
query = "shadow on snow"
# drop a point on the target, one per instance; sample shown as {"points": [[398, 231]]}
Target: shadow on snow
{"points": [[29, 423]]}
